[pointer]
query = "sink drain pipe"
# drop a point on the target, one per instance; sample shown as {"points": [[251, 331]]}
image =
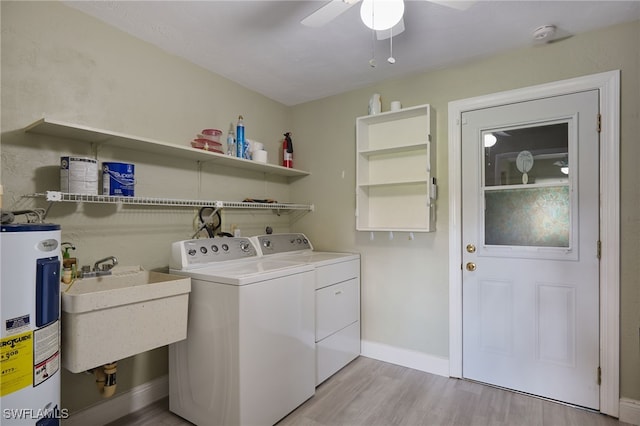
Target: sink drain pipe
{"points": [[106, 379]]}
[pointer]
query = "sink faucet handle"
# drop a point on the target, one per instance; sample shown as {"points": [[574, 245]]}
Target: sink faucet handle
{"points": [[98, 266]]}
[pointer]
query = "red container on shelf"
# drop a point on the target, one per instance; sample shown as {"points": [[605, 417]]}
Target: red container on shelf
{"points": [[207, 145], [211, 134]]}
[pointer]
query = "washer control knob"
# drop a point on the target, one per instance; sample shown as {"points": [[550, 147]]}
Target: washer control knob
{"points": [[214, 248], [244, 246], [192, 252], [203, 250], [266, 244], [225, 247]]}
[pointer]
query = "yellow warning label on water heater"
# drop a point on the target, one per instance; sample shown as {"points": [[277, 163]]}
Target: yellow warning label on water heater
{"points": [[16, 363]]}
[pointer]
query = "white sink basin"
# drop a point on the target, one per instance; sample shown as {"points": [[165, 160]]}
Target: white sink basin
{"points": [[111, 317]]}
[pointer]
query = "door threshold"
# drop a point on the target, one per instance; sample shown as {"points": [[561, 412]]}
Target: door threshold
{"points": [[566, 404]]}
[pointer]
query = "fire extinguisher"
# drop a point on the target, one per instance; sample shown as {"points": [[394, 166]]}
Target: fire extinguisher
{"points": [[287, 151]]}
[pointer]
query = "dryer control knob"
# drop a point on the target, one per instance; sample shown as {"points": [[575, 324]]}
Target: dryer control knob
{"points": [[244, 246]]}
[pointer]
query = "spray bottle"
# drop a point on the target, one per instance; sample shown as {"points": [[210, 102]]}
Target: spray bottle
{"points": [[287, 151], [231, 142]]}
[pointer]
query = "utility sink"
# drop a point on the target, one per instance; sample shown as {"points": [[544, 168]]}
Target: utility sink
{"points": [[110, 317]]}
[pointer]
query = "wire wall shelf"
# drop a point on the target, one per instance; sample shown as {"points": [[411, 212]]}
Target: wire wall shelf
{"points": [[57, 196]]}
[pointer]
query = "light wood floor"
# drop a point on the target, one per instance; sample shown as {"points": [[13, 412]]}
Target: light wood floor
{"points": [[374, 393]]}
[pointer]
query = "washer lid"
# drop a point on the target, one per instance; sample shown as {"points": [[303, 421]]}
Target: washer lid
{"points": [[247, 272], [319, 258]]}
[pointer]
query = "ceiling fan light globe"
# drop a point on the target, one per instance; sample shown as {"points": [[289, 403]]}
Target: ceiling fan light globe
{"points": [[381, 14]]}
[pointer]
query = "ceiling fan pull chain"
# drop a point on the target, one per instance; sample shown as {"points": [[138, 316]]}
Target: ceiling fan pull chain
{"points": [[391, 59], [372, 61]]}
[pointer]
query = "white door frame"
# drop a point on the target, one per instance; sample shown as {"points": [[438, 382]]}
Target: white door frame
{"points": [[608, 84]]}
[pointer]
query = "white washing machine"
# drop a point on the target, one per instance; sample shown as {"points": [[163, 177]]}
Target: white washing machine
{"points": [[337, 297], [249, 354]]}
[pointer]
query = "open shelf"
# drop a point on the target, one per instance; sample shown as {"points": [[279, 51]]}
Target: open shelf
{"points": [[394, 185], [396, 149], [47, 126], [56, 196]]}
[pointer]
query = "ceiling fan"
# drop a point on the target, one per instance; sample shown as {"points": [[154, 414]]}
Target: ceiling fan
{"points": [[391, 10]]}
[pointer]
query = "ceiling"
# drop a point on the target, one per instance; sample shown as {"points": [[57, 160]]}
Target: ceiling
{"points": [[263, 46]]}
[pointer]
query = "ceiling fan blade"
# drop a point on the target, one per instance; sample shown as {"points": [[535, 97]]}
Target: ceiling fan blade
{"points": [[327, 13], [385, 34], [455, 4]]}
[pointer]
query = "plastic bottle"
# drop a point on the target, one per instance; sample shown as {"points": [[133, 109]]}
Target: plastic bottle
{"points": [[240, 142], [374, 104], [231, 142]]}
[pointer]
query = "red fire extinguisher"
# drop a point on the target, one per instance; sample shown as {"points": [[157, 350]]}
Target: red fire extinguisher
{"points": [[287, 151]]}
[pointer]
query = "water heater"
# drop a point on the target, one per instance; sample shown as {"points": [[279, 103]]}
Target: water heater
{"points": [[30, 325]]}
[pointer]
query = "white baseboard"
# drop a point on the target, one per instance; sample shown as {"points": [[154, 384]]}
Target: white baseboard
{"points": [[630, 411], [406, 358], [121, 404]]}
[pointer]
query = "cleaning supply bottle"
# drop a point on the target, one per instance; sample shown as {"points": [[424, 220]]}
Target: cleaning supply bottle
{"points": [[231, 142], [240, 141], [287, 151], [69, 264]]}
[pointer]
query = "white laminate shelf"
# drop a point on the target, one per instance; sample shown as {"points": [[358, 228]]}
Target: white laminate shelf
{"points": [[395, 149], [56, 196], [47, 126], [394, 182]]}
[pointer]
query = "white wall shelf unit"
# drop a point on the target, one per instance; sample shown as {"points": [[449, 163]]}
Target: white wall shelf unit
{"points": [[395, 188], [47, 126], [56, 196]]}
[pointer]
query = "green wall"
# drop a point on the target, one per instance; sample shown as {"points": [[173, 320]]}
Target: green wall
{"points": [[60, 63], [405, 294]]}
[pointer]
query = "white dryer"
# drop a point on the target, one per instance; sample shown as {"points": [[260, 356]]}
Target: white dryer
{"points": [[337, 297], [249, 355]]}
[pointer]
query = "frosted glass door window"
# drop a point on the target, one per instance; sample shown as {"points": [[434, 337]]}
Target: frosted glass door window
{"points": [[526, 186]]}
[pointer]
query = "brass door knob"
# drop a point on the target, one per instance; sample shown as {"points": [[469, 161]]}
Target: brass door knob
{"points": [[471, 266], [471, 248]]}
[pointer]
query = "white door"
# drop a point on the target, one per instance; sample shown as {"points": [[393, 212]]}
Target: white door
{"points": [[530, 247]]}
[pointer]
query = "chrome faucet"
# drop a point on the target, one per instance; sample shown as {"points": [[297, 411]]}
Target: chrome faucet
{"points": [[98, 267]]}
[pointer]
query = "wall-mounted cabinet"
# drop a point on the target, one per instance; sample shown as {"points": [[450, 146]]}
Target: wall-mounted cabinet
{"points": [[395, 190]]}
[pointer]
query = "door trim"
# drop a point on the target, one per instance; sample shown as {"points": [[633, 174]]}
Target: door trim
{"points": [[608, 85]]}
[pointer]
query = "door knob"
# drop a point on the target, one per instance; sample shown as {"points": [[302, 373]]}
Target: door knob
{"points": [[471, 248], [471, 266]]}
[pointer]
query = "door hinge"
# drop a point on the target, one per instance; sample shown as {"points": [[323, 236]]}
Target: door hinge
{"points": [[599, 373], [599, 123], [599, 252]]}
